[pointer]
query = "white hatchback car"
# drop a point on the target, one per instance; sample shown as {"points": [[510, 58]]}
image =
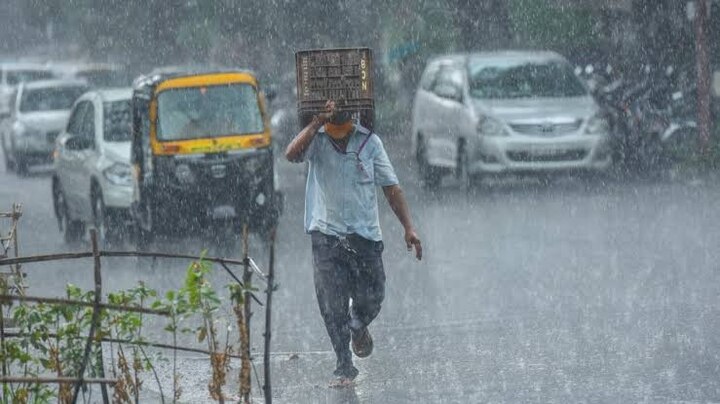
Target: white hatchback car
{"points": [[505, 112], [92, 184]]}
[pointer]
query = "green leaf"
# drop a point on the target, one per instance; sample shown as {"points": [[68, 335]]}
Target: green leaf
{"points": [[46, 363]]}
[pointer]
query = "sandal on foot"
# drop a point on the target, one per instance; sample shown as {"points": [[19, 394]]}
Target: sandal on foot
{"points": [[341, 382]]}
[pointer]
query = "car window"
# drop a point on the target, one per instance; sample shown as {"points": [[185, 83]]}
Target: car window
{"points": [[75, 121], [428, 78], [15, 77], [190, 113], [50, 98], [523, 80], [117, 121], [87, 127], [449, 76]]}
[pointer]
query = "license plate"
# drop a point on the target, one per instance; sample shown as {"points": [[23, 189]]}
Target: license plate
{"points": [[223, 212], [545, 152], [218, 171]]}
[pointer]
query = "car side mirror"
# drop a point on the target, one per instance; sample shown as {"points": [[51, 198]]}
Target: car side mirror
{"points": [[270, 93], [78, 143], [448, 91]]}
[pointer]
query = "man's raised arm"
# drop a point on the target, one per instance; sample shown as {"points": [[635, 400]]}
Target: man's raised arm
{"points": [[295, 151]]}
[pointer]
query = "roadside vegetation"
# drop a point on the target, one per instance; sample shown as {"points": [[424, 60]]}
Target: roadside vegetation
{"points": [[48, 339]]}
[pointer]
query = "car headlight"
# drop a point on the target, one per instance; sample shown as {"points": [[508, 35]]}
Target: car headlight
{"points": [[184, 174], [491, 127], [597, 125], [119, 174]]}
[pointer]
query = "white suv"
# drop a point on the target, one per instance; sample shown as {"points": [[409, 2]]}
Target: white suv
{"points": [[505, 112], [92, 184]]}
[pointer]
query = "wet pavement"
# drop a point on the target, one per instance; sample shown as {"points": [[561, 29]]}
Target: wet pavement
{"points": [[584, 291]]}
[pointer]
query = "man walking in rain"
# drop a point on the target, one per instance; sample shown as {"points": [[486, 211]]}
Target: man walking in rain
{"points": [[346, 164]]}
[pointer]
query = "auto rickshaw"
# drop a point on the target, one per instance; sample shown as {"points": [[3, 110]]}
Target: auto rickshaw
{"points": [[202, 154]]}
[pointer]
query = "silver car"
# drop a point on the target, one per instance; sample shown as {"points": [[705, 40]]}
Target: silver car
{"points": [[12, 74], [505, 112], [39, 114]]}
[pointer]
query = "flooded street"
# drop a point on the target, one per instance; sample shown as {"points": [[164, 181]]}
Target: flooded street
{"points": [[579, 290]]}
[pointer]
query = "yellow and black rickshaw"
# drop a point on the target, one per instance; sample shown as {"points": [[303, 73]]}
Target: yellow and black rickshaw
{"points": [[201, 153]]}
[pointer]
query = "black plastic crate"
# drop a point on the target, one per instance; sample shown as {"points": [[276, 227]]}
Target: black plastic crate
{"points": [[343, 75]]}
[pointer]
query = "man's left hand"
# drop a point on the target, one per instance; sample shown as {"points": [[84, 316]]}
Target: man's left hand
{"points": [[412, 240]]}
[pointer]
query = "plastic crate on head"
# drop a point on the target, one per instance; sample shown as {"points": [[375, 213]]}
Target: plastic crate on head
{"points": [[343, 75]]}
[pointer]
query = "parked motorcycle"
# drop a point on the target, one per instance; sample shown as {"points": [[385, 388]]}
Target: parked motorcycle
{"points": [[652, 117]]}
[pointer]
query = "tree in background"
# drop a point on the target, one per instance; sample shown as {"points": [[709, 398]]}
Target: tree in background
{"points": [[414, 32], [543, 24], [43, 14], [482, 24]]}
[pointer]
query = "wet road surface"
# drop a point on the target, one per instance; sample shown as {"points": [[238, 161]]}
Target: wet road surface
{"points": [[580, 290]]}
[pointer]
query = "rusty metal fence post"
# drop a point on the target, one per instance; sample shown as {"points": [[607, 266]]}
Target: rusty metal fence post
{"points": [[267, 390], [245, 362], [95, 318], [17, 285]]}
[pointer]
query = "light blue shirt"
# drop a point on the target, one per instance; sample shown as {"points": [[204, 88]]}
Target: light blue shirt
{"points": [[340, 194]]}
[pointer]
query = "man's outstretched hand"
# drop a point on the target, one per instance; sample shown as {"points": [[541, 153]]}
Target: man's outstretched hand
{"points": [[395, 197], [412, 240]]}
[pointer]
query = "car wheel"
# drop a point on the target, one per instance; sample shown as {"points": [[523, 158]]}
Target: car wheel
{"points": [[58, 203], [108, 229], [268, 223], [144, 239], [467, 180], [21, 166], [430, 176], [225, 237], [73, 230], [9, 165]]}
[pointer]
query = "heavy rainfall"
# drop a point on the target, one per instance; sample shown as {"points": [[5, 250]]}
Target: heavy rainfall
{"points": [[229, 165]]}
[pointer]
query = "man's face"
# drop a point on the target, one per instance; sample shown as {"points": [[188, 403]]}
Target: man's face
{"points": [[340, 126], [340, 117]]}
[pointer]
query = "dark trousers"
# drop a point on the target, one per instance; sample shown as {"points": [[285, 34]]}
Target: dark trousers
{"points": [[347, 268]]}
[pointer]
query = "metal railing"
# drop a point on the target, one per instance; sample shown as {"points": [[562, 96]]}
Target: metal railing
{"points": [[249, 268]]}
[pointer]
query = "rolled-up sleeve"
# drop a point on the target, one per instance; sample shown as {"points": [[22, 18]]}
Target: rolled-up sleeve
{"points": [[311, 150], [384, 171]]}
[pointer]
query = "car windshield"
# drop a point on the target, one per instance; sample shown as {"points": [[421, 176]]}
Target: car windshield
{"points": [[523, 80], [117, 124], [50, 99], [18, 76], [212, 111]]}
